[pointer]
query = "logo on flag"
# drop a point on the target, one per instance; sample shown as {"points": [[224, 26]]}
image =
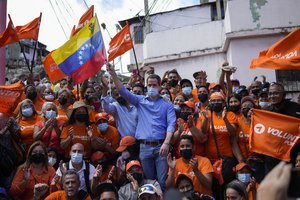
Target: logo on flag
{"points": [[259, 128]]}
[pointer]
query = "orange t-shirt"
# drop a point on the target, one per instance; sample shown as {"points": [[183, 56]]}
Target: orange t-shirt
{"points": [[80, 136], [27, 129], [61, 195], [195, 95], [243, 137], [204, 166], [27, 193], [62, 114], [112, 136], [223, 137]]}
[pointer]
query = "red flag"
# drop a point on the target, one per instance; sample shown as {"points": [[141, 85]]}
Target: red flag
{"points": [[282, 55], [85, 18], [121, 43], [9, 35], [30, 30]]}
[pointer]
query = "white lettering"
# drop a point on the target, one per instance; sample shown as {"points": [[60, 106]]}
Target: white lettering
{"points": [[286, 56]]}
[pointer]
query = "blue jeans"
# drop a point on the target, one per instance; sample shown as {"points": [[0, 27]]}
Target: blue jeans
{"points": [[155, 167]]}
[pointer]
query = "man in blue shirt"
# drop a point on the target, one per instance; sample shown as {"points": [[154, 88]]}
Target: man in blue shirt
{"points": [[156, 124]]}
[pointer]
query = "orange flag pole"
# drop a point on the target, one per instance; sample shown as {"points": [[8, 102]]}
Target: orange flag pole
{"points": [[36, 43]]}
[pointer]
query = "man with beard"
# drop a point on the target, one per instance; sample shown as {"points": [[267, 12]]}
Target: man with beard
{"points": [[71, 190], [124, 113], [135, 175]]}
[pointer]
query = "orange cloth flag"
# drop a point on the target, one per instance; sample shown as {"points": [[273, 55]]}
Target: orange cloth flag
{"points": [[85, 18], [54, 72], [273, 134], [10, 95], [121, 43], [9, 35], [283, 55], [30, 30]]}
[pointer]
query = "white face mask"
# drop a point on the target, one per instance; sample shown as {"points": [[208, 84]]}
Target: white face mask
{"points": [[49, 97], [76, 158], [51, 161], [125, 155]]}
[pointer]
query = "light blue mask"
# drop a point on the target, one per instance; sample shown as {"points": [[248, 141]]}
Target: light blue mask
{"points": [[177, 108], [263, 104], [27, 112], [244, 178], [76, 158], [103, 126], [166, 96], [152, 92], [187, 90], [50, 114]]}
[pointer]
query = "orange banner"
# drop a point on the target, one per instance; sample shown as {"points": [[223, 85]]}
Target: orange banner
{"points": [[273, 134], [30, 30], [9, 35], [85, 18], [10, 95], [54, 72], [121, 43], [283, 55]]}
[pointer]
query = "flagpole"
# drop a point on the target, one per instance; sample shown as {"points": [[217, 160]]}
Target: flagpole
{"points": [[136, 63], [22, 49], [36, 43]]}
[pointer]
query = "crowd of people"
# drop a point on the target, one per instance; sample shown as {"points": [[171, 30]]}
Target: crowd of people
{"points": [[151, 138]]}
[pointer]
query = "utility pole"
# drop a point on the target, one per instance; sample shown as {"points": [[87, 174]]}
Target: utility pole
{"points": [[146, 18], [3, 7]]}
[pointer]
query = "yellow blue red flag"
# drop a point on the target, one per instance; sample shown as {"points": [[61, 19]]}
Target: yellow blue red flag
{"points": [[82, 56]]}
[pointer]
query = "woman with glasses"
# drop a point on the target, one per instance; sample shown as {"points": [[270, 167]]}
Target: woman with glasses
{"points": [[33, 178], [48, 130]]}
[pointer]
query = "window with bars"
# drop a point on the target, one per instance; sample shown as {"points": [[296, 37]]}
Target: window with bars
{"points": [[290, 79], [138, 35]]}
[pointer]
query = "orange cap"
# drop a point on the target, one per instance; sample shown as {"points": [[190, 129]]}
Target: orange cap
{"points": [[188, 104], [213, 85], [217, 95], [125, 142], [97, 156], [241, 165], [101, 116], [133, 163]]}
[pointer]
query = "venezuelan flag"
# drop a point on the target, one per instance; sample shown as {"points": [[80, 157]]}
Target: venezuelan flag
{"points": [[83, 55]]}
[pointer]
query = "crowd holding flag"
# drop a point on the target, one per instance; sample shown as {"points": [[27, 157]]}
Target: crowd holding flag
{"points": [[283, 55]]}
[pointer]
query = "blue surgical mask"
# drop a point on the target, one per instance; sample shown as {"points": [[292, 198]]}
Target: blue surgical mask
{"points": [[76, 158], [187, 90], [177, 108], [103, 126], [166, 96], [50, 114], [244, 178], [27, 112], [152, 92], [263, 104]]}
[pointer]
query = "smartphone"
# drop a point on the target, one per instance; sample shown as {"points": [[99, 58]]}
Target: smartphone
{"points": [[294, 184]]}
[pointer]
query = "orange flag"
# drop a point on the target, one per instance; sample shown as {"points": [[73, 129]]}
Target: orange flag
{"points": [[9, 35], [30, 30], [54, 72], [273, 137], [85, 18], [10, 96], [121, 43], [283, 55]]}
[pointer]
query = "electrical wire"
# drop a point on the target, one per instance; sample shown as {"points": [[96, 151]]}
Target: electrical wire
{"points": [[62, 1], [61, 13], [61, 26]]}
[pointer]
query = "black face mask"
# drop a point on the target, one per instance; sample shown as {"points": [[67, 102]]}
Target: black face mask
{"points": [[104, 164], [86, 97], [31, 95], [245, 112], [37, 158], [121, 100], [186, 153], [235, 108], [173, 83], [255, 91], [217, 107], [202, 97], [138, 177], [189, 194], [82, 117], [185, 115], [62, 100]]}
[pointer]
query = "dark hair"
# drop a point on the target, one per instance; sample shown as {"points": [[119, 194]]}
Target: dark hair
{"points": [[138, 85], [187, 137], [294, 153], [107, 187], [279, 85], [72, 119], [237, 96], [29, 153], [154, 76], [168, 93], [239, 187], [173, 71]]}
